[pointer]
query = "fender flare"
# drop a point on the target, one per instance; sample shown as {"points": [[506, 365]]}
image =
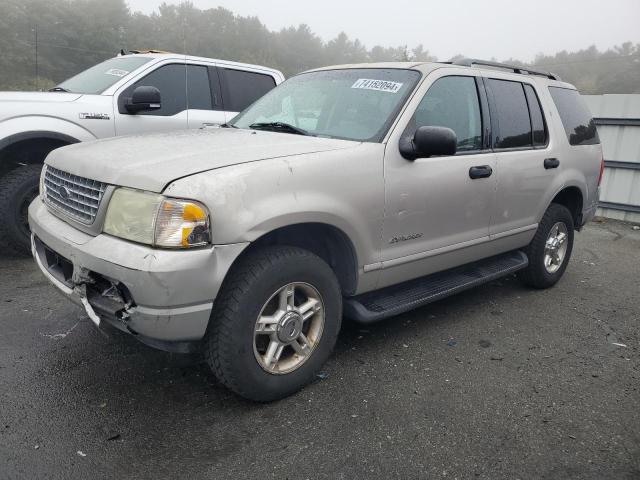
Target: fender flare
{"points": [[36, 134]]}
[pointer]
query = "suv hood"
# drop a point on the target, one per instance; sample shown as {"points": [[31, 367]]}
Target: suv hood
{"points": [[48, 97], [150, 162]]}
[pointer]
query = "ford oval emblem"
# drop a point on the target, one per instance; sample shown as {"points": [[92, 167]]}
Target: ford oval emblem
{"points": [[63, 192]]}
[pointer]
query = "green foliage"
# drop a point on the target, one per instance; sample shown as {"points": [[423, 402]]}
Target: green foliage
{"points": [[615, 70], [75, 34]]}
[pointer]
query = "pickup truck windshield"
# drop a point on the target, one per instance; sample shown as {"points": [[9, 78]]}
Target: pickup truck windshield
{"points": [[351, 104], [98, 78]]}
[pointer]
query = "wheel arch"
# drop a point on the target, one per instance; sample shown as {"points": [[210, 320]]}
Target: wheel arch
{"points": [[571, 197], [327, 241], [30, 148]]}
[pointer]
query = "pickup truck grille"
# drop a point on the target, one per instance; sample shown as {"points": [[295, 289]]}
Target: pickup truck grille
{"points": [[78, 197]]}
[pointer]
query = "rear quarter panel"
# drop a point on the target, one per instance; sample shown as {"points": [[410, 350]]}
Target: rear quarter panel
{"points": [[580, 164]]}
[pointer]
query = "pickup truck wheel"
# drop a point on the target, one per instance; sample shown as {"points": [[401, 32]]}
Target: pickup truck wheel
{"points": [[550, 250], [275, 322], [18, 189]]}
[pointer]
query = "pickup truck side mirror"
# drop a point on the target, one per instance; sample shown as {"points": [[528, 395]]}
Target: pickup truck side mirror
{"points": [[429, 141], [144, 99]]}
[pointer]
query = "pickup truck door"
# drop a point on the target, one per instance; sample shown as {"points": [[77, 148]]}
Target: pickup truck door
{"points": [[204, 96], [170, 79], [437, 209], [240, 88]]}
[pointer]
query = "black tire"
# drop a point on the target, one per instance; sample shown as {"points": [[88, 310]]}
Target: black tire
{"points": [[17, 189], [536, 274], [229, 343]]}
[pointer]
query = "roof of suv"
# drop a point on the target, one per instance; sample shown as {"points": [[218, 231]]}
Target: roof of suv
{"points": [[427, 67]]}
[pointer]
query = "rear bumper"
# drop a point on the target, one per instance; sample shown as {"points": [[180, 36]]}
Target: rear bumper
{"points": [[161, 295]]}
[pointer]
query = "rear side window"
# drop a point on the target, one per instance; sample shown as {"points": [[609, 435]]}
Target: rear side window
{"points": [[576, 118], [198, 88], [537, 119], [514, 125], [241, 88]]}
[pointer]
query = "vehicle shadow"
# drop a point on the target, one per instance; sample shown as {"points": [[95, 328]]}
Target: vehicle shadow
{"points": [[128, 400], [143, 370]]}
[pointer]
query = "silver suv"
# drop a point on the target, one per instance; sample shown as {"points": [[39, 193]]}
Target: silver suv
{"points": [[128, 94], [363, 190]]}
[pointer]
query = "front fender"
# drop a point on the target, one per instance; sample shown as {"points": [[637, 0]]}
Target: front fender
{"points": [[342, 188], [40, 126]]}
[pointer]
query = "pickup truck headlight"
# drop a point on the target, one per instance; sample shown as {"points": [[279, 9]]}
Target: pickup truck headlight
{"points": [[156, 220]]}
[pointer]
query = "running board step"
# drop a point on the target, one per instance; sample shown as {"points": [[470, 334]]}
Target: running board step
{"points": [[377, 305]]}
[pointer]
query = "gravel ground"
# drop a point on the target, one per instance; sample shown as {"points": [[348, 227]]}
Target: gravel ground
{"points": [[498, 382]]}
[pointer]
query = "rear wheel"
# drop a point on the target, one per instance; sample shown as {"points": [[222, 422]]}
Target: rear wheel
{"points": [[18, 189], [275, 322], [550, 250]]}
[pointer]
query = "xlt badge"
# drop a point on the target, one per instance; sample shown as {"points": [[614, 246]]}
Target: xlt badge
{"points": [[94, 116], [404, 238]]}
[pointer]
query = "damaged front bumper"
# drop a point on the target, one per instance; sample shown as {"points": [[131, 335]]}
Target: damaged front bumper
{"points": [[161, 296]]}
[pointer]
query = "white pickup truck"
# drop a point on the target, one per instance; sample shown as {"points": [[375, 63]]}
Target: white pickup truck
{"points": [[129, 94]]}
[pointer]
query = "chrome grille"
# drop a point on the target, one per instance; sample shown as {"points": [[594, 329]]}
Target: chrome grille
{"points": [[78, 197]]}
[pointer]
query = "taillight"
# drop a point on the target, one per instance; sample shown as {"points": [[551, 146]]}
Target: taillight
{"points": [[601, 171]]}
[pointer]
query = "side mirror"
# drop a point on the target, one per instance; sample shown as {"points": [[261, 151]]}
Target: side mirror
{"points": [[428, 142], [144, 99]]}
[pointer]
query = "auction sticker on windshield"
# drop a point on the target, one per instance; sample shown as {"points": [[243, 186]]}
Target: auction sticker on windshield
{"points": [[117, 72], [380, 85]]}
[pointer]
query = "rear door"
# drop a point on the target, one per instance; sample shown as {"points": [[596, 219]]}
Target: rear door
{"points": [[520, 142], [240, 88], [204, 96]]}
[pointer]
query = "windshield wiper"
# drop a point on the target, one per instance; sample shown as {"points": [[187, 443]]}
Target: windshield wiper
{"points": [[227, 125], [279, 127], [59, 89]]}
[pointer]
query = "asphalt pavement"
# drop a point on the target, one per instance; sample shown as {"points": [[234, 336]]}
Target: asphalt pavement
{"points": [[498, 382]]}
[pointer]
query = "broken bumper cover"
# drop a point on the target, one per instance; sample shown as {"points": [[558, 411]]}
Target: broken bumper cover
{"points": [[161, 295]]}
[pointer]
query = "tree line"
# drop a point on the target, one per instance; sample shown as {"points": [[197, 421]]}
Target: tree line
{"points": [[44, 41]]}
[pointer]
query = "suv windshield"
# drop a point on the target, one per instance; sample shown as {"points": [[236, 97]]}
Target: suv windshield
{"points": [[98, 78], [352, 104]]}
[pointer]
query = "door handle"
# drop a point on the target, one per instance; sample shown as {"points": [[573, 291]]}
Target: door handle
{"points": [[208, 124], [482, 171], [551, 163]]}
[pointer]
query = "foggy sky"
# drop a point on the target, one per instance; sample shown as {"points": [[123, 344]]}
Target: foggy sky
{"points": [[476, 28]]}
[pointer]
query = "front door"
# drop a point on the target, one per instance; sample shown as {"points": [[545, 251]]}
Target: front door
{"points": [[433, 206], [170, 79]]}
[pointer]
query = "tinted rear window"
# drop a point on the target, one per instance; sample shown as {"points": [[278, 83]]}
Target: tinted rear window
{"points": [[242, 88], [575, 116], [537, 119], [514, 125], [198, 88]]}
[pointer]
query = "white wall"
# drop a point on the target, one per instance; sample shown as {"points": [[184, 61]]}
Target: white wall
{"points": [[620, 143]]}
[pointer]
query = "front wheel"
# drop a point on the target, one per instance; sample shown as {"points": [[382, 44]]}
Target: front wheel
{"points": [[274, 324], [17, 190], [550, 250]]}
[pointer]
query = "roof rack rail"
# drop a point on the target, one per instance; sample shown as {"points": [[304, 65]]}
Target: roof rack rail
{"points": [[469, 62], [137, 52]]}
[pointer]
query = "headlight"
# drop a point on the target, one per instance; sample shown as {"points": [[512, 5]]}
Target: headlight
{"points": [[43, 192], [182, 223], [155, 220]]}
